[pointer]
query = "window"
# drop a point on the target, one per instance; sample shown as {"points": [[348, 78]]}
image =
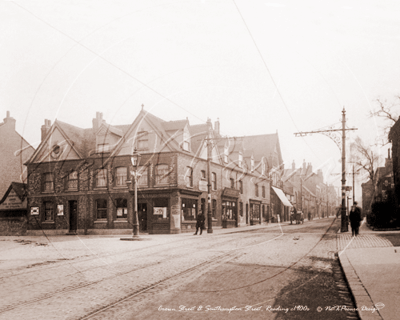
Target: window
{"points": [[263, 191], [122, 208], [189, 209], [101, 178], [203, 174], [214, 208], [162, 174], [103, 147], [214, 181], [229, 209], [256, 189], [189, 177], [185, 143], [48, 211], [226, 153], [143, 179], [101, 209], [241, 209], [143, 141], [252, 164], [160, 209], [232, 183], [48, 185], [240, 163], [241, 187], [263, 168], [121, 174], [73, 180]]}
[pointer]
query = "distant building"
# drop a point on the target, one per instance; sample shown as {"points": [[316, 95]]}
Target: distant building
{"points": [[14, 151], [394, 138]]}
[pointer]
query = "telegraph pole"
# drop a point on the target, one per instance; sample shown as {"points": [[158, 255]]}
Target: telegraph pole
{"points": [[209, 217], [344, 224]]}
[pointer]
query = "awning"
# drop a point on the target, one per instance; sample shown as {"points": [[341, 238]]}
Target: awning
{"points": [[282, 197]]}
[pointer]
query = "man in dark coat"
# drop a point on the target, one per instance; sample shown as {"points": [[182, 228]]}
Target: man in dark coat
{"points": [[200, 223], [355, 219]]}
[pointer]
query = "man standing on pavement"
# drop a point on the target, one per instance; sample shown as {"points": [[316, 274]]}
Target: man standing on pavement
{"points": [[355, 219], [200, 222]]}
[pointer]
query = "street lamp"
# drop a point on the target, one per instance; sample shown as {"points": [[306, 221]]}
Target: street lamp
{"points": [[135, 160]]}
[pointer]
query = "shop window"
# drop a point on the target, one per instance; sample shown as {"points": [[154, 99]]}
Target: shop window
{"points": [[241, 209], [101, 178], [214, 181], [160, 209], [214, 208], [189, 177], [121, 174], [241, 187], [73, 180], [162, 174], [189, 209], [229, 209], [143, 179], [263, 191], [101, 209], [122, 208], [232, 182], [48, 211], [48, 185]]}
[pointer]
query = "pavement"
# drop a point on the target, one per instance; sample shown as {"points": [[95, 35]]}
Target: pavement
{"points": [[371, 265]]}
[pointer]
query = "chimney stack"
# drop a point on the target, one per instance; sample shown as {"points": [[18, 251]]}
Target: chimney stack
{"points": [[45, 128], [293, 166], [216, 126], [97, 121], [9, 120]]}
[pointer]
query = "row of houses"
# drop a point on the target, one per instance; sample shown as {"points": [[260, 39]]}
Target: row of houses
{"points": [[79, 180]]}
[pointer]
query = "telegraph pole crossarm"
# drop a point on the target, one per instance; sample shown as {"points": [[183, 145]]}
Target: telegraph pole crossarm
{"points": [[344, 218]]}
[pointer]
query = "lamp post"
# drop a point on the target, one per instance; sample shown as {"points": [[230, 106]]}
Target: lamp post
{"points": [[135, 160]]}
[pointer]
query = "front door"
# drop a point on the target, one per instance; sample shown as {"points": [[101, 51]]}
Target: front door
{"points": [[142, 216], [73, 215]]}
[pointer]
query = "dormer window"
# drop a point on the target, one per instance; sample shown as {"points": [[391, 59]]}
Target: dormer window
{"points": [[226, 154], [143, 141], [103, 147], [185, 143], [240, 163], [252, 164]]}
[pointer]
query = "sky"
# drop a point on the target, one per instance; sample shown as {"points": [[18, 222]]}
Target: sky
{"points": [[258, 66]]}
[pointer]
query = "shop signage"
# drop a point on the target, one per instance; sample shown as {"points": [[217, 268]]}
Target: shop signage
{"points": [[160, 211], [34, 211], [229, 192], [203, 185], [13, 202]]}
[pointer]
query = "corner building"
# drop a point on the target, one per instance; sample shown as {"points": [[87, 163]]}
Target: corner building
{"points": [[77, 178]]}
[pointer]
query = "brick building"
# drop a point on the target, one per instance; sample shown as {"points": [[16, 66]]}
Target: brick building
{"points": [[14, 151], [78, 178], [394, 138]]}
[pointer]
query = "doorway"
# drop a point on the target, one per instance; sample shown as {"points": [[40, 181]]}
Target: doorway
{"points": [[73, 215], [142, 216]]}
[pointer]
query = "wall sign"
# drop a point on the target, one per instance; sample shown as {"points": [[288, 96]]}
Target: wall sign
{"points": [[13, 202], [160, 211], [60, 210]]}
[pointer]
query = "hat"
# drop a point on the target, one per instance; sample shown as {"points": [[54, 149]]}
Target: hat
{"points": [[355, 202]]}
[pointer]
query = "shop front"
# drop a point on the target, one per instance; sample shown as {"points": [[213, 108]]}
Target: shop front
{"points": [[229, 200], [255, 212]]}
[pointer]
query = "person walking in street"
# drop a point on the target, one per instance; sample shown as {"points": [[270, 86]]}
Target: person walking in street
{"points": [[200, 223], [355, 219]]}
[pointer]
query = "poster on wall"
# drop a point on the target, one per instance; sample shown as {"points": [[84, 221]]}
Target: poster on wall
{"points": [[160, 211], [60, 210], [34, 211]]}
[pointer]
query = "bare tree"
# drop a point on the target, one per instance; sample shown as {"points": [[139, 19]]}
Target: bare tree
{"points": [[364, 157], [389, 112]]}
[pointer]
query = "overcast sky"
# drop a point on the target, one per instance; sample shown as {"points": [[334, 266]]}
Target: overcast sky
{"points": [[258, 66]]}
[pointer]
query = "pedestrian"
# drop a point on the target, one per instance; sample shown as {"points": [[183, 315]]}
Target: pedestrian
{"points": [[355, 219], [200, 223]]}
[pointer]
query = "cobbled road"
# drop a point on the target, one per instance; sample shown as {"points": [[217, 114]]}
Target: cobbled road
{"points": [[264, 273]]}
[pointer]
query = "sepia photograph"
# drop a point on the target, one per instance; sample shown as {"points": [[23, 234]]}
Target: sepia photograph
{"points": [[199, 159]]}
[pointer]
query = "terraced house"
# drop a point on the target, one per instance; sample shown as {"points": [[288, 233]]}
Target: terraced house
{"points": [[79, 179]]}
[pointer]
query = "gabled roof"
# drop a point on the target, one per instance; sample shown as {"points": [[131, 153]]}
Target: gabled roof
{"points": [[174, 125], [19, 188]]}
